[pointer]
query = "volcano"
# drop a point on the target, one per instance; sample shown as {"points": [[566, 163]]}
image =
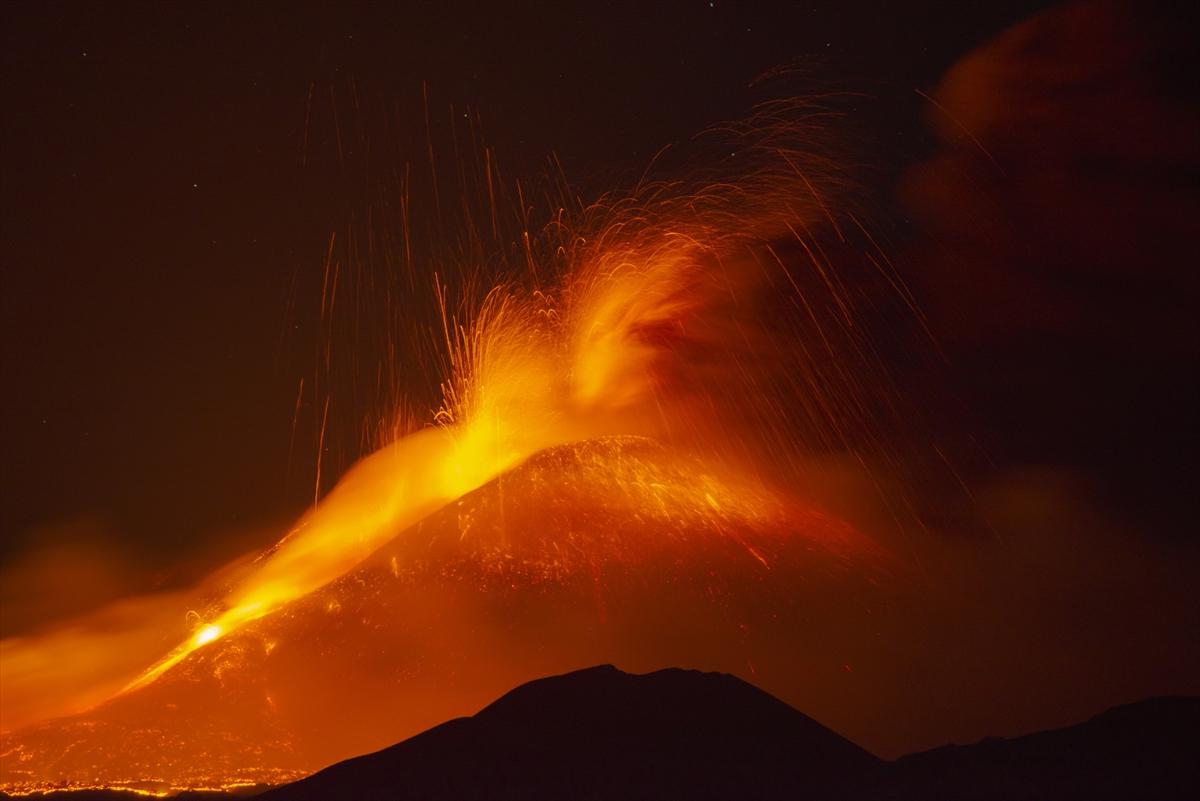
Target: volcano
{"points": [[614, 549]]}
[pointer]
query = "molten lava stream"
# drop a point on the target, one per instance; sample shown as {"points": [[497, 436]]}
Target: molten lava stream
{"points": [[613, 549], [381, 495], [592, 491]]}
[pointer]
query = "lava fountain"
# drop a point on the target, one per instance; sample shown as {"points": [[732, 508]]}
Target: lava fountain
{"points": [[613, 475]]}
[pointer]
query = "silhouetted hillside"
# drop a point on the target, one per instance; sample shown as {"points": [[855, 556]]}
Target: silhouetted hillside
{"points": [[1147, 750], [603, 734]]}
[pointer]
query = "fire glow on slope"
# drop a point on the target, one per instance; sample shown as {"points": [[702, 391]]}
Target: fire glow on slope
{"points": [[614, 549], [700, 316], [527, 377]]}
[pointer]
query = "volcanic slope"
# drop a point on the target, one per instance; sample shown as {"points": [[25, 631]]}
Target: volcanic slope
{"points": [[601, 733], [609, 551]]}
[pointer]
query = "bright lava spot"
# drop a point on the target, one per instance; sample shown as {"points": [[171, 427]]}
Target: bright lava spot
{"points": [[207, 635]]}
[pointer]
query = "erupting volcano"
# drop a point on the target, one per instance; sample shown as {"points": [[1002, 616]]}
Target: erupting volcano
{"points": [[610, 476], [324, 433]]}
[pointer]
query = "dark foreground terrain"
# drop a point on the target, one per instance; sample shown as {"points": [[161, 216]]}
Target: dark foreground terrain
{"points": [[604, 734]]}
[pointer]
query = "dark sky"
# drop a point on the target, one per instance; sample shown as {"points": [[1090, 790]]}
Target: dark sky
{"points": [[172, 175], [159, 200]]}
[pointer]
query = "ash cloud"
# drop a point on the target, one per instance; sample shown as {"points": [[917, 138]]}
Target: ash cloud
{"points": [[1043, 496], [1058, 221]]}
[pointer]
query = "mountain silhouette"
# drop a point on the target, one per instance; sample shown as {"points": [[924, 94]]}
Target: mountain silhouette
{"points": [[600, 733]]}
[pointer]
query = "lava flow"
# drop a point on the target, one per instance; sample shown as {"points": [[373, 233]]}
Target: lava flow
{"points": [[611, 477]]}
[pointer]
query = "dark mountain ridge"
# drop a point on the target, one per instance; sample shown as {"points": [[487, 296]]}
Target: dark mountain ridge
{"points": [[1149, 749], [601, 733]]}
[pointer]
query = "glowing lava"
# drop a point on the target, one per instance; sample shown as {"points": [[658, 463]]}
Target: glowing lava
{"points": [[615, 548], [692, 340]]}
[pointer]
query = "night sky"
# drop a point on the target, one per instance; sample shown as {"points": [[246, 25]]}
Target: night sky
{"points": [[173, 173]]}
